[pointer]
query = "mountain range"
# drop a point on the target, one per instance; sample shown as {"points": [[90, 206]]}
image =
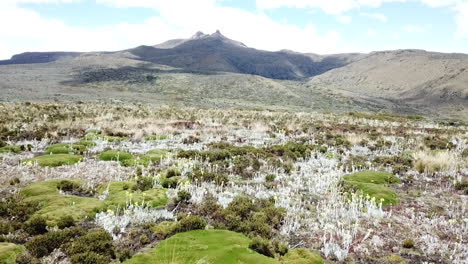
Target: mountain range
{"points": [[213, 70]]}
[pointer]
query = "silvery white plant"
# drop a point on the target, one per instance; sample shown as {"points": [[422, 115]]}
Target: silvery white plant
{"points": [[132, 214]]}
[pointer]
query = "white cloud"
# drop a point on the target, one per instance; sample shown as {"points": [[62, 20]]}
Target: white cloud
{"points": [[414, 29], [462, 21], [377, 16], [334, 7], [338, 7], [28, 31], [345, 19], [371, 32]]}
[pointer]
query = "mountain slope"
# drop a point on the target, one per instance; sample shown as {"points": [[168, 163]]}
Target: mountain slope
{"points": [[420, 78], [215, 52], [212, 70], [38, 57]]}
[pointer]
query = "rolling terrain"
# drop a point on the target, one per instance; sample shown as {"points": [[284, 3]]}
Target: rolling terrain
{"points": [[213, 70]]}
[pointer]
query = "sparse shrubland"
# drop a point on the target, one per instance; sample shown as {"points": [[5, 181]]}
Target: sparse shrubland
{"points": [[137, 184]]}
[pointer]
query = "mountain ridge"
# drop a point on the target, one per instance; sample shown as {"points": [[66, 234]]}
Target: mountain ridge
{"points": [[213, 70]]}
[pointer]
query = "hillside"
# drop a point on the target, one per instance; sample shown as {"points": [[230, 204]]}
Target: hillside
{"points": [[213, 70], [415, 77]]}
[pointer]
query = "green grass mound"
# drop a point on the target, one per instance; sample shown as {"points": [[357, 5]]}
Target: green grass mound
{"points": [[86, 143], [66, 149], [55, 205], [203, 246], [11, 149], [373, 183], [375, 190], [54, 160], [121, 192], [9, 252], [302, 256], [376, 177], [115, 155], [144, 160], [156, 137]]}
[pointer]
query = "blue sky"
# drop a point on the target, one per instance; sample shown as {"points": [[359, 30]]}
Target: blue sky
{"points": [[314, 26]]}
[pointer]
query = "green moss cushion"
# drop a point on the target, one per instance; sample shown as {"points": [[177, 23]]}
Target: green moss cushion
{"points": [[302, 256], [377, 177], [66, 149], [115, 155], [54, 160], [121, 192], [203, 246], [10, 148], [54, 205], [373, 184], [9, 252]]}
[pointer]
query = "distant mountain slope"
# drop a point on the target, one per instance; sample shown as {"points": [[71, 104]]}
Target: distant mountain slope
{"points": [[218, 53], [416, 77], [38, 57], [212, 70]]}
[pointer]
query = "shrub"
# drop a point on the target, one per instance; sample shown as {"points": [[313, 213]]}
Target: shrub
{"points": [[5, 228], [435, 142], [43, 245], [191, 140], [170, 182], [262, 246], [164, 229], [461, 185], [172, 173], [208, 176], [14, 181], [408, 243], [143, 184], [90, 258], [36, 225], [94, 247], [270, 178], [259, 218], [183, 196], [14, 207], [280, 247], [464, 153], [144, 239], [399, 163], [65, 221], [68, 186], [355, 161], [124, 254], [258, 225], [190, 222], [209, 207]]}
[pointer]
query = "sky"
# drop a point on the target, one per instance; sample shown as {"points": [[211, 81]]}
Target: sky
{"points": [[312, 26]]}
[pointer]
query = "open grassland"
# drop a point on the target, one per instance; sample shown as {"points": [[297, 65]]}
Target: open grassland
{"points": [[122, 183]]}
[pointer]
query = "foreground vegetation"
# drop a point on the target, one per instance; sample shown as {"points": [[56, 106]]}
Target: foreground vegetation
{"points": [[89, 183]]}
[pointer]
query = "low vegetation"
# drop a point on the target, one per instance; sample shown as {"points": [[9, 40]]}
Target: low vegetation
{"points": [[120, 183]]}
